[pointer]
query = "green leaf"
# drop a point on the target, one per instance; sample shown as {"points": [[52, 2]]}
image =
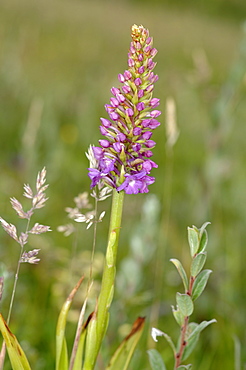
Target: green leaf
{"points": [[200, 327], [16, 354], [200, 283], [124, 352], [203, 227], [79, 354], [198, 263], [185, 367], [191, 343], [193, 336], [181, 272], [179, 317], [203, 236], [61, 346], [193, 238], [155, 359], [185, 304]]}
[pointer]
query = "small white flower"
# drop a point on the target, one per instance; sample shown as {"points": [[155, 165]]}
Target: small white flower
{"points": [[156, 333]]}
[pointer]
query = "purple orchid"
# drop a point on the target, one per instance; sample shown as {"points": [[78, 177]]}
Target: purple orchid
{"points": [[122, 159]]}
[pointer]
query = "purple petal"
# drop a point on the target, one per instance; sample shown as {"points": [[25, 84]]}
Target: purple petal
{"points": [[121, 137], [98, 152], [127, 75], [137, 131], [138, 81], [150, 143], [155, 113], [140, 93], [140, 106], [120, 98], [147, 135], [129, 112], [126, 89], [154, 102], [140, 57], [141, 70], [104, 143], [121, 78], [153, 124], [115, 91], [117, 147], [114, 116], [114, 102], [105, 122], [131, 62]]}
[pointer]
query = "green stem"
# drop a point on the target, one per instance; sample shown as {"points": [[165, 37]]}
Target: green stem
{"points": [[99, 322]]}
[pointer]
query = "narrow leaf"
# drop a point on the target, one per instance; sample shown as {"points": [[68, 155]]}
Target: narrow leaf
{"points": [[179, 317], [200, 283], [181, 272], [155, 359], [185, 304], [61, 347], [203, 227], [184, 367], [78, 344], [203, 241], [192, 342], [193, 238], [200, 327], [78, 356], [16, 354], [203, 237], [193, 337], [124, 352], [198, 263]]}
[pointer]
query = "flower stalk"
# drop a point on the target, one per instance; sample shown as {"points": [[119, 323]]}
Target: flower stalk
{"points": [[122, 162], [99, 322]]}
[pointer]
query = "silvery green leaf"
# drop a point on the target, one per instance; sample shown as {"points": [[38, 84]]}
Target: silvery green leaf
{"points": [[185, 367], [200, 283], [179, 317], [185, 304], [198, 263], [203, 236], [200, 327], [191, 343], [181, 272], [155, 359], [193, 238]]}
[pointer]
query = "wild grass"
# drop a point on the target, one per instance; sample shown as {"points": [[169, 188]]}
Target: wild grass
{"points": [[58, 62]]}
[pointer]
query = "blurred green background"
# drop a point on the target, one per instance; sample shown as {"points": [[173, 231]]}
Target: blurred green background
{"points": [[58, 61]]}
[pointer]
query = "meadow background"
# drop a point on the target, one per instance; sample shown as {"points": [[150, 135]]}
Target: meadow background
{"points": [[58, 61]]}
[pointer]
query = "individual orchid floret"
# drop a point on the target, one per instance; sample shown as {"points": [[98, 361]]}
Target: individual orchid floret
{"points": [[121, 161]]}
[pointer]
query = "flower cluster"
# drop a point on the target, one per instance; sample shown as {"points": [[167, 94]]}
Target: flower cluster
{"points": [[38, 199], [122, 161]]}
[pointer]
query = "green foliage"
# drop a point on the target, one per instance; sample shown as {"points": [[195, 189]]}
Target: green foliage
{"points": [[200, 283], [197, 264], [181, 271], [185, 304], [16, 355], [194, 286], [155, 359], [124, 352]]}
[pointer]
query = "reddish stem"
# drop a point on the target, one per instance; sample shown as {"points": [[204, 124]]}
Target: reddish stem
{"points": [[183, 342]]}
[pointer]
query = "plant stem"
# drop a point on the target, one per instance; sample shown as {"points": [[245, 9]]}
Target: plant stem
{"points": [[3, 349], [183, 343], [99, 322]]}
